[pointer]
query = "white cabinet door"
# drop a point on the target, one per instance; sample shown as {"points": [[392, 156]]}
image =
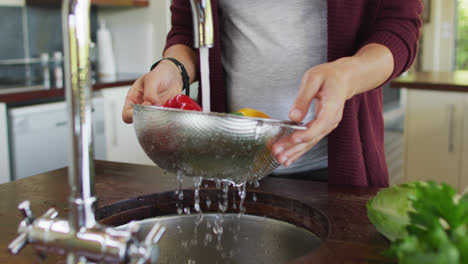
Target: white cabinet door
{"points": [[464, 161], [121, 142], [4, 152], [12, 3], [433, 136]]}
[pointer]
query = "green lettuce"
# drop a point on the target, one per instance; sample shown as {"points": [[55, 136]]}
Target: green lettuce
{"points": [[389, 209], [426, 222]]}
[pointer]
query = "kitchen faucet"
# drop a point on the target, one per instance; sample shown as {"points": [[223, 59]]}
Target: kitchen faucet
{"points": [[80, 237], [202, 23]]}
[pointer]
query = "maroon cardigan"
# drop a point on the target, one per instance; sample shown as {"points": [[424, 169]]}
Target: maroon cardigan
{"points": [[356, 147]]}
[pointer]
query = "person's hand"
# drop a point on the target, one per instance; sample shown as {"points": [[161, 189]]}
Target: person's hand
{"points": [[330, 86], [153, 88]]}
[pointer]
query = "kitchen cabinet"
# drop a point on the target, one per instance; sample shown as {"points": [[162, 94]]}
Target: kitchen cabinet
{"points": [[436, 137], [39, 137], [464, 171], [121, 142], [4, 150], [12, 3]]}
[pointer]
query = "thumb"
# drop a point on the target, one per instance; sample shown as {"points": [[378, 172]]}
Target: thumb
{"points": [[310, 85]]}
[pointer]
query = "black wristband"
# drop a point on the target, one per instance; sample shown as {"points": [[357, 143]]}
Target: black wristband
{"points": [[183, 73]]}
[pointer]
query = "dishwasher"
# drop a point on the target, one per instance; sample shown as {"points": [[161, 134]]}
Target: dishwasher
{"points": [[39, 140]]}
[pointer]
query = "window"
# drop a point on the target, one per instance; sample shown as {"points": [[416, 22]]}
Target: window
{"points": [[462, 36]]}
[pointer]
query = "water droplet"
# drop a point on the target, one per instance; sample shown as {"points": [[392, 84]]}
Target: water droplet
{"points": [[184, 244], [187, 210], [218, 230]]}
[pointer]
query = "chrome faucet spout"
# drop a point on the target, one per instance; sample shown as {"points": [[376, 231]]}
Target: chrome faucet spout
{"points": [[202, 23], [77, 39]]}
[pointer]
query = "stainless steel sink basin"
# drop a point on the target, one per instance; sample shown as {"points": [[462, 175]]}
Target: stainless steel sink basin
{"points": [[245, 239], [274, 230]]}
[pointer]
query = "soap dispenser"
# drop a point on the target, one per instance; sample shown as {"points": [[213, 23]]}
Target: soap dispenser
{"points": [[106, 60]]}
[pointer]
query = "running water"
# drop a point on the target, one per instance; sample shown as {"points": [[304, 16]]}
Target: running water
{"points": [[256, 184], [205, 78], [197, 207], [242, 193], [222, 208], [223, 199], [214, 229]]}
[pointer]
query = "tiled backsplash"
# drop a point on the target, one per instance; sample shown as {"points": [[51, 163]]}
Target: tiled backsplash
{"points": [[12, 44], [27, 32], [44, 30]]}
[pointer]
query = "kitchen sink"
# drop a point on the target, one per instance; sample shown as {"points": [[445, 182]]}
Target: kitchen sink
{"points": [[274, 229]]}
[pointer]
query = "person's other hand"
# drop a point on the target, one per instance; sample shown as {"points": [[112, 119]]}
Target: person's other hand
{"points": [[153, 88], [329, 85]]}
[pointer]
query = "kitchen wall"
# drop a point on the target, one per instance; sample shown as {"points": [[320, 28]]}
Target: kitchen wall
{"points": [[437, 45], [139, 34], [28, 31], [13, 43]]}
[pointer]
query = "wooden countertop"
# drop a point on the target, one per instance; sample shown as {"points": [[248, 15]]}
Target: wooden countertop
{"points": [[442, 81], [351, 238], [54, 94]]}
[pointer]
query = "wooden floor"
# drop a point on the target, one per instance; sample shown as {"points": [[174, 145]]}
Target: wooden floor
{"points": [[394, 147]]}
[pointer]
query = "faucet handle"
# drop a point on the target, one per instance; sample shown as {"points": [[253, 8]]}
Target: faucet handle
{"points": [[19, 243], [155, 234], [25, 209], [147, 250], [134, 228], [52, 213], [22, 240]]}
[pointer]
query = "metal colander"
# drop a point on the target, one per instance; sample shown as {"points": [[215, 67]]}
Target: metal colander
{"points": [[209, 145]]}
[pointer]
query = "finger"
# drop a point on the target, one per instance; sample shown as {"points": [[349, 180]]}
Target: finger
{"points": [[296, 157], [286, 143], [296, 148], [282, 144], [280, 147], [310, 85], [134, 96], [327, 119], [294, 151], [297, 151]]}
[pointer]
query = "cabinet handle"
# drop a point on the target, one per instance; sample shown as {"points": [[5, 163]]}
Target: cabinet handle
{"points": [[61, 124], [451, 145]]}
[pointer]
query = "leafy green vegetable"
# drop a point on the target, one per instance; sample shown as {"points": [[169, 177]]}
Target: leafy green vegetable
{"points": [[388, 210], [433, 227]]}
